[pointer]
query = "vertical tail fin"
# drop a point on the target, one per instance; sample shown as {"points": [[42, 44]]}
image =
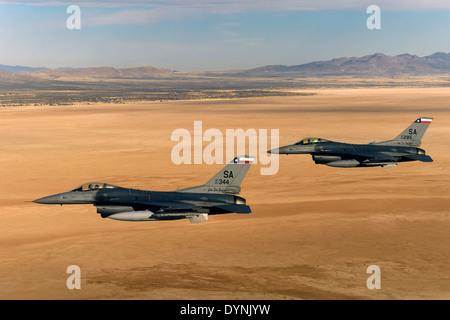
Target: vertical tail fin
{"points": [[412, 135], [227, 180]]}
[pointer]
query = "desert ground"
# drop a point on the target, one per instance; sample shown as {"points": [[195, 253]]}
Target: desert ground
{"points": [[313, 230]]}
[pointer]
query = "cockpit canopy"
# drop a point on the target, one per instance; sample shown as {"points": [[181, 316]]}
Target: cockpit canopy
{"points": [[94, 186], [310, 141]]}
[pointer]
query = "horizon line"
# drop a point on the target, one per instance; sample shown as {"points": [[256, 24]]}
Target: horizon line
{"points": [[221, 70]]}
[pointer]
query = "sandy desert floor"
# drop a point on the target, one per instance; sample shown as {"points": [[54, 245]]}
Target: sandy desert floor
{"points": [[313, 231]]}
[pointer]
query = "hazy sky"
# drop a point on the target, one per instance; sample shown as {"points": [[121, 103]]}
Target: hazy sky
{"points": [[200, 35]]}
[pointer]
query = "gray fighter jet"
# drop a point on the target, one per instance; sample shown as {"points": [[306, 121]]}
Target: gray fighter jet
{"points": [[385, 154], [214, 197]]}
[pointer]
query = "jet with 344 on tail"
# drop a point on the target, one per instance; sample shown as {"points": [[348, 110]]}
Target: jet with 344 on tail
{"points": [[217, 196], [385, 154]]}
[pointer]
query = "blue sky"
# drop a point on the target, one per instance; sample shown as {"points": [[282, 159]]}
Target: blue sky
{"points": [[201, 35]]}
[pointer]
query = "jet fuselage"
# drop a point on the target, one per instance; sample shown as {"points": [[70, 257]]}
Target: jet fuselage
{"points": [[114, 200], [346, 155], [387, 154]]}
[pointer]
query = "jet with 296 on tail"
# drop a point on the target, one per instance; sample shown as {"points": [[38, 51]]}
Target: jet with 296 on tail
{"points": [[217, 196], [384, 154]]}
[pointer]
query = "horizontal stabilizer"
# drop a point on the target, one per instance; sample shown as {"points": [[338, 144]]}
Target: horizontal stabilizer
{"points": [[237, 208], [419, 157]]}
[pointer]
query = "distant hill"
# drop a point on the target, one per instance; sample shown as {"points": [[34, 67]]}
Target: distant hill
{"points": [[12, 78], [371, 65], [99, 73], [16, 69]]}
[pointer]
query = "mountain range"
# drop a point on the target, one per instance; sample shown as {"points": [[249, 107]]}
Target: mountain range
{"points": [[16, 69], [101, 72], [375, 65]]}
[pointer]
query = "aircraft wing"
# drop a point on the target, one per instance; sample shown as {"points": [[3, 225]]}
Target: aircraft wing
{"points": [[377, 157], [174, 207], [168, 210], [197, 214], [374, 157]]}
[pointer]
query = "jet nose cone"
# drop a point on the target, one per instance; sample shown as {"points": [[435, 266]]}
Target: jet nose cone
{"points": [[54, 199], [281, 150]]}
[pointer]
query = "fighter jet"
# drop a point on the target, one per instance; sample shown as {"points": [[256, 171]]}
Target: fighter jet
{"points": [[386, 154], [217, 196]]}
